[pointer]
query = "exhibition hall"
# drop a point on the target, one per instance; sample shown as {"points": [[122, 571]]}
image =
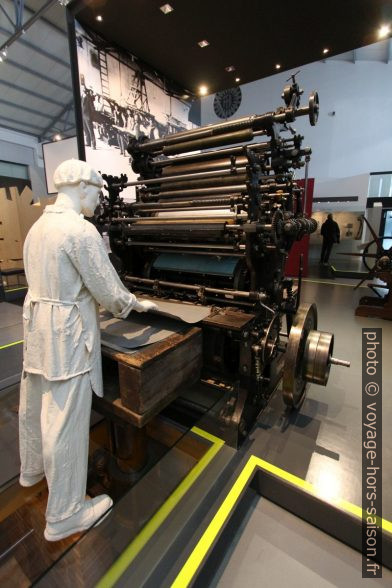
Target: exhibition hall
{"points": [[195, 293]]}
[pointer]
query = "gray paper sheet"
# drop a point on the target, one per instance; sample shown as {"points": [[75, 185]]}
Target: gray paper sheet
{"points": [[137, 330], [183, 311]]}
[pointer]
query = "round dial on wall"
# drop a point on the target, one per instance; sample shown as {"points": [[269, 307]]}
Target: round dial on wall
{"points": [[227, 102]]}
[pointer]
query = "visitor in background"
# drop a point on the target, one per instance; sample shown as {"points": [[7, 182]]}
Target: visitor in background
{"points": [[331, 234]]}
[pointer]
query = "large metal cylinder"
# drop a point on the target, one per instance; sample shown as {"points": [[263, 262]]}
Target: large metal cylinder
{"points": [[318, 351], [230, 180], [201, 166], [206, 142]]}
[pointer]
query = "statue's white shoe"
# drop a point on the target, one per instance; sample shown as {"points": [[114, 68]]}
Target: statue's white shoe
{"points": [[91, 514], [27, 480]]}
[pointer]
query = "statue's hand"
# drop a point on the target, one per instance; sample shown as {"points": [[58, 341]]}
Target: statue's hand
{"points": [[145, 306]]}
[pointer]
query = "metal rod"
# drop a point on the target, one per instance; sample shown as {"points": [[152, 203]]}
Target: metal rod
{"points": [[27, 24], [226, 179], [226, 139], [225, 164], [183, 245], [337, 361], [223, 201], [215, 154], [261, 122], [182, 209], [199, 133], [226, 301], [307, 159], [154, 198], [152, 220], [224, 190], [190, 252], [179, 178], [257, 296], [218, 153]]}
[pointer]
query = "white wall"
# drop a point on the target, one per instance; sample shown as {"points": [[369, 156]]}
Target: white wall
{"points": [[24, 149], [347, 146]]}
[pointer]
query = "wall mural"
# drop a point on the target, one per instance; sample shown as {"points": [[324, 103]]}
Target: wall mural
{"points": [[119, 99]]}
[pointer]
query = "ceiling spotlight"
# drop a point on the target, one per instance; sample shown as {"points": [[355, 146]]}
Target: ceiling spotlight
{"points": [[1, 59], [4, 52], [230, 68], [325, 51], [203, 90], [238, 79], [57, 137], [166, 8], [278, 66], [203, 43], [384, 31], [99, 18]]}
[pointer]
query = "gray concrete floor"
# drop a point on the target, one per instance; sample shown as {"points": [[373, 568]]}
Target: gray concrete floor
{"points": [[11, 330], [272, 547]]}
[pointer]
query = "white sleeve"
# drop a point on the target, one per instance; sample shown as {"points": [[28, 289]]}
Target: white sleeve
{"points": [[88, 254]]}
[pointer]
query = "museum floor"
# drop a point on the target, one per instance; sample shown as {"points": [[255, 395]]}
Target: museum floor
{"points": [[262, 542]]}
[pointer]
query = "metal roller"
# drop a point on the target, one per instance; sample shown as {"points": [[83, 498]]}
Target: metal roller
{"points": [[221, 190], [294, 382], [202, 166], [224, 128], [233, 178], [318, 350], [308, 356], [178, 230], [227, 293], [262, 122], [259, 147], [217, 249], [225, 201], [204, 143]]}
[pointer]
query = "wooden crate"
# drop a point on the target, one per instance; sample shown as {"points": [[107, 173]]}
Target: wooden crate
{"points": [[150, 378]]}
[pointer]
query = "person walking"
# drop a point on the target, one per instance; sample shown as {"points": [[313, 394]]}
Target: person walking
{"points": [[331, 234]]}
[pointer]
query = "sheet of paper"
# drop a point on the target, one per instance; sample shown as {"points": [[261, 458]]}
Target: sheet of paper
{"points": [[137, 330], [183, 311]]}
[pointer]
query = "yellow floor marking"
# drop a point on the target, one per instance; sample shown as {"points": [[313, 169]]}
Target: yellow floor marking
{"points": [[11, 344], [134, 548], [206, 541]]}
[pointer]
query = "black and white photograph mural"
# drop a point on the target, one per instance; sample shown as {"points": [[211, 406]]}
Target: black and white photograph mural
{"points": [[120, 100]]}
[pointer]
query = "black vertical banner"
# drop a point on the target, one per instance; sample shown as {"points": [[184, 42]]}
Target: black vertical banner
{"points": [[371, 452]]}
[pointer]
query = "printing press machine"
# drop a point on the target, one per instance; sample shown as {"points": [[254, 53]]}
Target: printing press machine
{"points": [[213, 229], [199, 421]]}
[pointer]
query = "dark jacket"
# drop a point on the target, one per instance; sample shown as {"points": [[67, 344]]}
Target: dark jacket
{"points": [[330, 231]]}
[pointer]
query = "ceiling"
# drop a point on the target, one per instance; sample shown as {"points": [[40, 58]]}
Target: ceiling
{"points": [[35, 78], [252, 35]]}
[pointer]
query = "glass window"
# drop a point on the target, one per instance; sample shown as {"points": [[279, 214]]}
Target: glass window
{"points": [[380, 185], [14, 170]]}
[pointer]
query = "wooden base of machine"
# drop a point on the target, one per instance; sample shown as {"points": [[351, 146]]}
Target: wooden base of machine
{"points": [[370, 306], [138, 386], [149, 378]]}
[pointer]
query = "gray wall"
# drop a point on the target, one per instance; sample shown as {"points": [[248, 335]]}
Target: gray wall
{"points": [[25, 149], [348, 145]]}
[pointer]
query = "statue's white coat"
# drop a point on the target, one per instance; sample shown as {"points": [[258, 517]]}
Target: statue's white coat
{"points": [[68, 271]]}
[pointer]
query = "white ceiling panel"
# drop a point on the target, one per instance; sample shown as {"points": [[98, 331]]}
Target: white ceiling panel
{"points": [[35, 71]]}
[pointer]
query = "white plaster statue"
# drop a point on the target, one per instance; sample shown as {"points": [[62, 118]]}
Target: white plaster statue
{"points": [[68, 273]]}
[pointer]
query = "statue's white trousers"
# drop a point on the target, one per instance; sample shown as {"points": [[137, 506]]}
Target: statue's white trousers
{"points": [[54, 419]]}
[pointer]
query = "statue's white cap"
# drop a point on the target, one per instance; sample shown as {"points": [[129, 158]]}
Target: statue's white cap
{"points": [[74, 171]]}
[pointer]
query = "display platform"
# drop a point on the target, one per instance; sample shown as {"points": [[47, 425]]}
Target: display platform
{"points": [[168, 521]]}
